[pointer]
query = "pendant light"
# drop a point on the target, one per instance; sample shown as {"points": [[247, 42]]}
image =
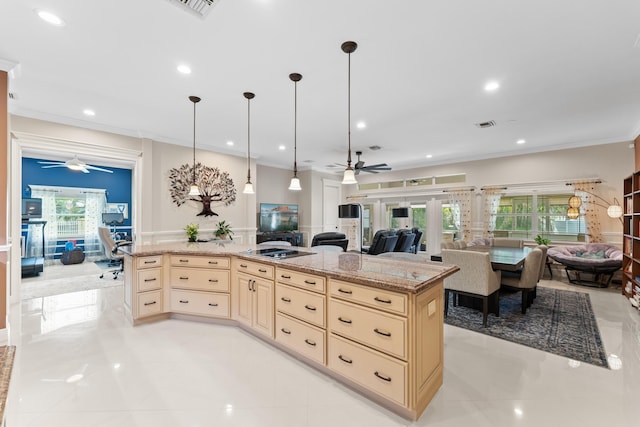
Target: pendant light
{"points": [[295, 181], [349, 173], [248, 187], [194, 190]]}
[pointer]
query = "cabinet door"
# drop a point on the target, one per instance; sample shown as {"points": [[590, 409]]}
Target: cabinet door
{"points": [[243, 299], [263, 306]]}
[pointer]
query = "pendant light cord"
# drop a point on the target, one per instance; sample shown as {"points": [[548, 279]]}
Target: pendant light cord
{"points": [[248, 139], [349, 111], [194, 143], [295, 129]]}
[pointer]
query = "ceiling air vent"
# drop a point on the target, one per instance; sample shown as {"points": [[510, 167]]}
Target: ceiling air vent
{"points": [[198, 7], [488, 124], [13, 95]]}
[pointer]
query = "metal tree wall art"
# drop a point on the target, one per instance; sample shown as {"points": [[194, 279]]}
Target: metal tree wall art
{"points": [[216, 187]]}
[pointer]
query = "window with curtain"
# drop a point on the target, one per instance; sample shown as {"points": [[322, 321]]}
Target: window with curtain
{"points": [[526, 216], [71, 214]]}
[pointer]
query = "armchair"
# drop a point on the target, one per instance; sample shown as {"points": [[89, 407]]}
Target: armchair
{"points": [[331, 238], [528, 280]]}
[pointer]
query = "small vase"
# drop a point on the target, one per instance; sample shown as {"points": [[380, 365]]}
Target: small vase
{"points": [[193, 239], [222, 236]]}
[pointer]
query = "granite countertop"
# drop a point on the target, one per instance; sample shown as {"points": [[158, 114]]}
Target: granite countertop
{"points": [[7, 354], [369, 270]]}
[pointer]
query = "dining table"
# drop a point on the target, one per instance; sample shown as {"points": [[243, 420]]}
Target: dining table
{"points": [[502, 258]]}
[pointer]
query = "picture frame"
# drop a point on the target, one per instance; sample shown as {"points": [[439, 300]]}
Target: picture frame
{"points": [[122, 208]]}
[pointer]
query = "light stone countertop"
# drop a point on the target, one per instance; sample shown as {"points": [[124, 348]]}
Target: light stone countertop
{"points": [[369, 270], [7, 354]]}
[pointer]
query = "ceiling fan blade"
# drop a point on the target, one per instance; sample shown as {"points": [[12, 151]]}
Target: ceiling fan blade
{"points": [[85, 170], [371, 168], [51, 163], [359, 164], [58, 165], [377, 165], [95, 168]]}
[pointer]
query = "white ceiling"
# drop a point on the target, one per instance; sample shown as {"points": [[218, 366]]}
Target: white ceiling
{"points": [[569, 73]]}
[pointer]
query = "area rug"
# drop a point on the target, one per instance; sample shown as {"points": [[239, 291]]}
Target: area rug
{"points": [[559, 322], [47, 288]]}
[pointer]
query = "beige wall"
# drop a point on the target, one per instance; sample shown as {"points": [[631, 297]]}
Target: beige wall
{"points": [[4, 194]]}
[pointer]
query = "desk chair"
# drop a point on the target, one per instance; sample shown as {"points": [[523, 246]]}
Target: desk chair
{"points": [[111, 249]]}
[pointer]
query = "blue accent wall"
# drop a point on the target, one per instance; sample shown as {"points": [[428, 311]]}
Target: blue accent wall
{"points": [[117, 184]]}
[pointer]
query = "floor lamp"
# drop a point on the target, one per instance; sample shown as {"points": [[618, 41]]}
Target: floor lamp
{"points": [[351, 211]]}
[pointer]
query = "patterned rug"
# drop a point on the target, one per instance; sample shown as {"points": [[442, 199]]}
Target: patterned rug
{"points": [[558, 322]]}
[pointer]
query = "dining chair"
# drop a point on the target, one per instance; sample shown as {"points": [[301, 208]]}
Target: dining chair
{"points": [[507, 243], [475, 279], [543, 263], [528, 279]]}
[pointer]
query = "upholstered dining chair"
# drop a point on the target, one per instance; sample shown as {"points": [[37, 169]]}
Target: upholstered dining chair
{"points": [[507, 243], [475, 279], [543, 263], [528, 279]]}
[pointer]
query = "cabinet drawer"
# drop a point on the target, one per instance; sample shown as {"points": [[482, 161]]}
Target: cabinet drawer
{"points": [[255, 268], [200, 303], [375, 371], [200, 278], [301, 337], [200, 261], [149, 279], [149, 261], [301, 304], [149, 303], [372, 297], [382, 331], [302, 280]]}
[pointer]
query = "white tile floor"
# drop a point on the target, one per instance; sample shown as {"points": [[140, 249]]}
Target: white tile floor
{"points": [[79, 363]]}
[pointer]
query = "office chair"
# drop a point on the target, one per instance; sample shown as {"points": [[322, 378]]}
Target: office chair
{"points": [[111, 248]]}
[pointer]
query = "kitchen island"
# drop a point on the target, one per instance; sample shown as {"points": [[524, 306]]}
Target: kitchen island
{"points": [[373, 323]]}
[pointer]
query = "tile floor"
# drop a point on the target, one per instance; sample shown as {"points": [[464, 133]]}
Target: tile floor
{"points": [[80, 363]]}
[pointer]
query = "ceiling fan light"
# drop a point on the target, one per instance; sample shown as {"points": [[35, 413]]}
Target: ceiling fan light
{"points": [[349, 176], [75, 167], [295, 184], [194, 190]]}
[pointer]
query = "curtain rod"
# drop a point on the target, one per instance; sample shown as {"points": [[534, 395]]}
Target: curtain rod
{"points": [[541, 183], [449, 190]]}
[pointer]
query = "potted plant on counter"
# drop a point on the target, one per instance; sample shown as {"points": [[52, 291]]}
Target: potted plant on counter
{"points": [[223, 230], [192, 232]]}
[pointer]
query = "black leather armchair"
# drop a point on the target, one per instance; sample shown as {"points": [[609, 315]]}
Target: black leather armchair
{"points": [[331, 238], [417, 240], [405, 241], [383, 241]]}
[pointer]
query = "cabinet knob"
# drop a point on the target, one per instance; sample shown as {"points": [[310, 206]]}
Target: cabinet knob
{"points": [[311, 343], [183, 301], [285, 331], [149, 303], [211, 304], [382, 377], [347, 321], [348, 292], [384, 301], [310, 307], [384, 334], [285, 299], [344, 359]]}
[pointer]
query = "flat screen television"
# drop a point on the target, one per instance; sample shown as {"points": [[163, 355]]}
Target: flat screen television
{"points": [[278, 217], [31, 208]]}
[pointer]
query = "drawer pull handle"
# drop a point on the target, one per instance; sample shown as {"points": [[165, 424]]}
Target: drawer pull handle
{"points": [[211, 304], [243, 265], [184, 277], [385, 301], [348, 292], [184, 260], [262, 270], [213, 280], [382, 377], [285, 299], [213, 262], [286, 331], [284, 276], [184, 301], [310, 282], [311, 343], [344, 359], [149, 303], [310, 307], [385, 334], [345, 320], [150, 280], [150, 262]]}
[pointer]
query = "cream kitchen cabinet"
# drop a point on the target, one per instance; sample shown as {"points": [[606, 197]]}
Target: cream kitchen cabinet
{"points": [[143, 286], [253, 295]]}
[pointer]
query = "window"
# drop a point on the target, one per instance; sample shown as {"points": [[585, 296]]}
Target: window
{"points": [[526, 216], [450, 221], [70, 212]]}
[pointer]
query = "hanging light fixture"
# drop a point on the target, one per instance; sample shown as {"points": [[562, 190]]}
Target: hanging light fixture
{"points": [[194, 190], [349, 174], [575, 201], [295, 181], [573, 213], [248, 187]]}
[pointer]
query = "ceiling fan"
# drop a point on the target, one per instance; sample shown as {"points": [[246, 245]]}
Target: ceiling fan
{"points": [[359, 166], [74, 164]]}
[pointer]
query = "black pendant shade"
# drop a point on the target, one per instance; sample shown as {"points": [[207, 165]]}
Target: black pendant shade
{"points": [[349, 211]]}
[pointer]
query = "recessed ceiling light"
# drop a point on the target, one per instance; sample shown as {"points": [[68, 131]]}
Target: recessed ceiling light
{"points": [[50, 18], [361, 125], [520, 141], [230, 143], [281, 147], [184, 69], [491, 86], [429, 156], [88, 112]]}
